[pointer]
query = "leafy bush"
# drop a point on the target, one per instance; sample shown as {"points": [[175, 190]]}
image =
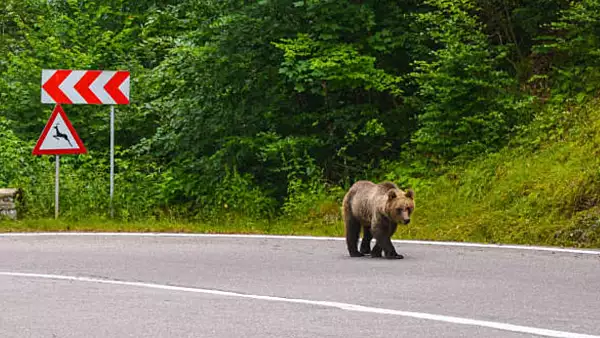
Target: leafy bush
{"points": [[573, 44], [470, 104]]}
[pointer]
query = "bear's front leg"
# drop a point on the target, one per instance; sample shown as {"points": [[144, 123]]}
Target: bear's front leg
{"points": [[389, 250], [376, 251], [382, 243], [381, 232], [392, 254]]}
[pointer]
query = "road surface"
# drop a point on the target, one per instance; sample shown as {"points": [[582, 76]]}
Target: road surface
{"points": [[153, 286]]}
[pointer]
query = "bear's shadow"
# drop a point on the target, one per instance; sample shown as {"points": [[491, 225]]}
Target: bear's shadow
{"points": [[377, 259]]}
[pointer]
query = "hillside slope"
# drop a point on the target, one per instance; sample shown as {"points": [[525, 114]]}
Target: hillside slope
{"points": [[543, 189]]}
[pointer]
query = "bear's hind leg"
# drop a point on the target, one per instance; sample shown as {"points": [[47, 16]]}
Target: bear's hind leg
{"points": [[352, 236], [365, 244]]}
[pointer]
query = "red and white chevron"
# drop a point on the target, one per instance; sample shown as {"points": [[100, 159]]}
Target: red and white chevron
{"points": [[85, 86]]}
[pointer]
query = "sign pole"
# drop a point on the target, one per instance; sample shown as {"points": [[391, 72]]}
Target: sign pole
{"points": [[56, 186], [112, 159]]}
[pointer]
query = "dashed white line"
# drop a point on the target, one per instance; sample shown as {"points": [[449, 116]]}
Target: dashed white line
{"points": [[312, 238], [338, 305]]}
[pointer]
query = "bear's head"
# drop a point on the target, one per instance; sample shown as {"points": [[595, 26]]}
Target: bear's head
{"points": [[400, 205]]}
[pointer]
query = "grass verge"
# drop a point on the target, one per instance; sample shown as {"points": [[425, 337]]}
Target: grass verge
{"points": [[228, 227]]}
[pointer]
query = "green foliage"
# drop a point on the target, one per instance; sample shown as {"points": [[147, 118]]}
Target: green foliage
{"points": [[237, 194], [469, 103], [574, 45], [318, 67], [17, 166]]}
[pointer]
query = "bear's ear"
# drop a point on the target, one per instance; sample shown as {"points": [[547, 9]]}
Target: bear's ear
{"points": [[410, 194], [391, 195]]}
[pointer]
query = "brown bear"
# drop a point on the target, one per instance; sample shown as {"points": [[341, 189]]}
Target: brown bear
{"points": [[377, 209]]}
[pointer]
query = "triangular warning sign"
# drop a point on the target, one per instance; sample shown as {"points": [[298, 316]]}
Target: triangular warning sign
{"points": [[59, 137]]}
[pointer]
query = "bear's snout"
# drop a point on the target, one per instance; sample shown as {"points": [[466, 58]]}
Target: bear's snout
{"points": [[406, 221]]}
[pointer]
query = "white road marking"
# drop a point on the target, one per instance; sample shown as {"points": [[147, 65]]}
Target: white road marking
{"points": [[312, 238], [338, 305]]}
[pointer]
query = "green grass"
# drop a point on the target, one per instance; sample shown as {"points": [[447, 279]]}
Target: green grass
{"points": [[228, 227]]}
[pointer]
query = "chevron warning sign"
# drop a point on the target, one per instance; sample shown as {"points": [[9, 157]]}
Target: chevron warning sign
{"points": [[59, 137], [85, 86]]}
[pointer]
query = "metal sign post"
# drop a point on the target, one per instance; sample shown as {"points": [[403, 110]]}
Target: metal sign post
{"points": [[56, 186], [112, 159]]}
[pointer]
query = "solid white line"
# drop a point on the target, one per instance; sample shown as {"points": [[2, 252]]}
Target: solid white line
{"points": [[338, 305], [312, 238]]}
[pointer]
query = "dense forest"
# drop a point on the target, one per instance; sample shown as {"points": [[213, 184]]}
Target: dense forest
{"points": [[268, 110]]}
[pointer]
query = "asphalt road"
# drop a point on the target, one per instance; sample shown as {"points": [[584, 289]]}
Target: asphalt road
{"points": [[538, 290]]}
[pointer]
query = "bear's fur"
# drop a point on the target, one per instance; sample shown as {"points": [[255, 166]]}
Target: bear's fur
{"points": [[377, 209]]}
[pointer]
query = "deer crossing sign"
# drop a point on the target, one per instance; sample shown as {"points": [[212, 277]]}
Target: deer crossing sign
{"points": [[59, 137]]}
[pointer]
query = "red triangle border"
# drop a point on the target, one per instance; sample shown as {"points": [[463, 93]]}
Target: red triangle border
{"points": [[71, 151]]}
